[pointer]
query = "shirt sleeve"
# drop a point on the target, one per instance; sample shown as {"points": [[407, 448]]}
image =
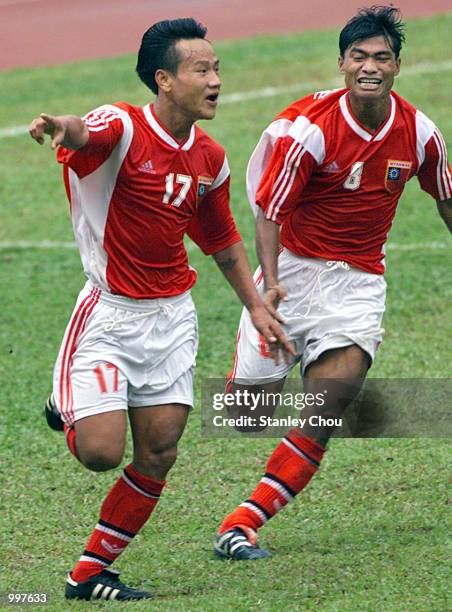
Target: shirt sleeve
{"points": [[435, 173], [261, 156], [105, 127], [284, 179], [213, 227]]}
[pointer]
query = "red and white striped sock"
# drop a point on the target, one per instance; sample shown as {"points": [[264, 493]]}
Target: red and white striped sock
{"points": [[289, 469], [124, 512]]}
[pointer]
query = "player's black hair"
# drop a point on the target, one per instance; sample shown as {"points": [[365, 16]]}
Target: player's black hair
{"points": [[158, 47], [374, 21]]}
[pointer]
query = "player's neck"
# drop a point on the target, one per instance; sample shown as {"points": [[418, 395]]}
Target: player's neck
{"points": [[370, 113], [175, 122]]}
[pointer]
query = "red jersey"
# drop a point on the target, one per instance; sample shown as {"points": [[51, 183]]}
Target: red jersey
{"points": [[135, 192], [333, 185]]}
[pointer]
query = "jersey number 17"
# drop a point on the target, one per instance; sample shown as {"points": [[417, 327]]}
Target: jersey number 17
{"points": [[184, 180]]}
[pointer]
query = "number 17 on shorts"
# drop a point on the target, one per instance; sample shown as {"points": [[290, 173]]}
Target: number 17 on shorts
{"points": [[107, 377], [92, 387]]}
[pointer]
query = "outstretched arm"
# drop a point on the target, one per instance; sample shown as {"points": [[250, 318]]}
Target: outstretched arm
{"points": [[233, 262], [67, 130], [445, 210]]}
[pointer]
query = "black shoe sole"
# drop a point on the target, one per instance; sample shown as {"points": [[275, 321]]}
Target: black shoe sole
{"points": [[53, 419]]}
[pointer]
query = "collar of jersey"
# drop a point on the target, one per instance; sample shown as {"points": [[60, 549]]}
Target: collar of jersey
{"points": [[158, 128], [360, 129]]}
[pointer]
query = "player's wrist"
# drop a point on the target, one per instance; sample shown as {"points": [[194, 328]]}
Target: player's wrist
{"points": [[271, 283], [254, 306]]}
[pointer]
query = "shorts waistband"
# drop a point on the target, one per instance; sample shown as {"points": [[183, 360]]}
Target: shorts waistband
{"points": [[324, 264], [125, 303]]}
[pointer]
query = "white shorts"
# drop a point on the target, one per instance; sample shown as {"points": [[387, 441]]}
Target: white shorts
{"points": [[331, 305], [118, 353]]}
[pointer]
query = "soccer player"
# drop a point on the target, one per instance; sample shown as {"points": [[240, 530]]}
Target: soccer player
{"points": [[138, 179], [325, 180]]}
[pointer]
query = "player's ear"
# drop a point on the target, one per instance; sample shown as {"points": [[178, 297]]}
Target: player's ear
{"points": [[163, 78], [340, 63], [398, 62]]}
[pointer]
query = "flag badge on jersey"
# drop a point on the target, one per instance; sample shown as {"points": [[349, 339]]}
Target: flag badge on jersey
{"points": [[397, 173], [204, 183]]}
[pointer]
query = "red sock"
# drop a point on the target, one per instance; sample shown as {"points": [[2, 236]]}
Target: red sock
{"points": [[69, 432], [291, 466], [125, 510]]}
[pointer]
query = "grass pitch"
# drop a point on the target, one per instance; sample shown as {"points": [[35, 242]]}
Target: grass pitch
{"points": [[370, 532]]}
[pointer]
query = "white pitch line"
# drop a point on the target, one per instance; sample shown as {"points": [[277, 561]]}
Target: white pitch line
{"points": [[37, 244], [16, 2], [270, 92], [421, 246], [17, 130], [48, 244]]}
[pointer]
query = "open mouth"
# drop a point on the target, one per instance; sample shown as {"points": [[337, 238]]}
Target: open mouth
{"points": [[212, 97], [369, 81]]}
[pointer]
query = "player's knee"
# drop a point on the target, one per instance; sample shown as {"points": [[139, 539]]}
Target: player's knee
{"points": [[157, 458], [255, 404], [100, 463], [98, 459]]}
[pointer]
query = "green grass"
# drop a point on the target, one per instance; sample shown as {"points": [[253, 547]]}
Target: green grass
{"points": [[370, 533]]}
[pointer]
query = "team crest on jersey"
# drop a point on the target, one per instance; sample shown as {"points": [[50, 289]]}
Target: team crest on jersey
{"points": [[204, 183], [397, 173]]}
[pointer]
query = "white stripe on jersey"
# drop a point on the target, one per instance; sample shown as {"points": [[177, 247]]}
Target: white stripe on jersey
{"points": [[442, 173], [276, 204], [424, 130], [278, 185], [389, 122], [90, 202], [290, 184], [350, 120], [164, 135], [439, 168], [222, 175], [307, 137], [261, 156], [361, 131], [310, 136]]}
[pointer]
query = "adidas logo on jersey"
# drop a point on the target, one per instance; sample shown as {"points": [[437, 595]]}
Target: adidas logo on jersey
{"points": [[147, 167], [333, 167]]}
